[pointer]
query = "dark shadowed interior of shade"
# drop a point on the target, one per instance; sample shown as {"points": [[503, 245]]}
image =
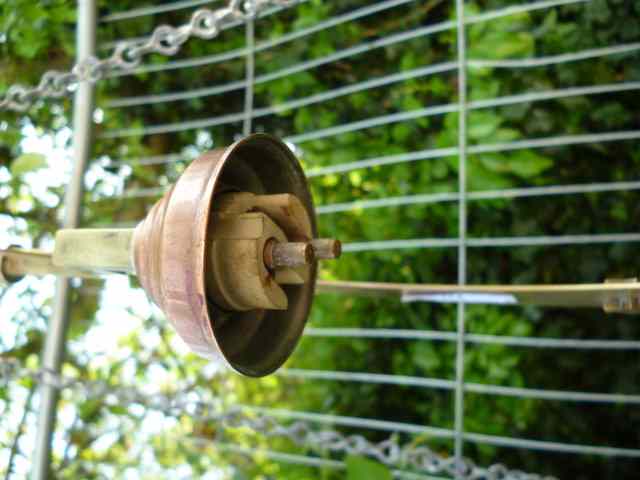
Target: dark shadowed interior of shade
{"points": [[257, 342]]}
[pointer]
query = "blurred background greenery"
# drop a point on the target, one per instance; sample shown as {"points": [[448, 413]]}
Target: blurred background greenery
{"points": [[116, 337]]}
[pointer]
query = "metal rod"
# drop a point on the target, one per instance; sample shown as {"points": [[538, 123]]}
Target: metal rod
{"points": [[296, 459], [249, 77], [18, 262], [489, 242], [56, 333], [237, 53], [450, 385], [559, 141], [556, 59], [287, 37], [445, 67], [474, 338], [98, 250], [326, 248], [144, 11], [227, 26], [462, 229], [437, 432], [288, 255], [526, 97], [430, 198], [568, 295]]}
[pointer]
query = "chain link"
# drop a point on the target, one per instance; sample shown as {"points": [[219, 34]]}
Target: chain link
{"points": [[188, 402], [164, 40]]}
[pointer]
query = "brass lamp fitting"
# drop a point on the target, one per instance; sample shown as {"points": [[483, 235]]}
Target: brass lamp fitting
{"points": [[229, 254]]}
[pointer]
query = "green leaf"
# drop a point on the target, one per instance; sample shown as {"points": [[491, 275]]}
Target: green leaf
{"points": [[360, 468], [28, 162], [482, 124], [527, 163]]}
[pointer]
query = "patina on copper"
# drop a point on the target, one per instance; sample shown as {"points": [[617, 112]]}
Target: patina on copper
{"points": [[171, 248]]}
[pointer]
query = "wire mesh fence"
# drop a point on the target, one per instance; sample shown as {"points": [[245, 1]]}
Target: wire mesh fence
{"points": [[408, 93]]}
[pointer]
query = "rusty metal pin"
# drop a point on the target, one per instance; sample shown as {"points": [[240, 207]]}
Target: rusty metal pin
{"points": [[288, 255], [326, 248]]}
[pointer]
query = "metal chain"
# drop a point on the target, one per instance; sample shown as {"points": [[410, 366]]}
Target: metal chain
{"points": [[128, 54], [188, 402]]}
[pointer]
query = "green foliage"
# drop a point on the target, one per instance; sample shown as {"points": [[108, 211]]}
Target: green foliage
{"points": [[360, 468], [39, 36]]}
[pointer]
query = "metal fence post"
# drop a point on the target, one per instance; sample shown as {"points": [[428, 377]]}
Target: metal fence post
{"points": [[56, 333]]}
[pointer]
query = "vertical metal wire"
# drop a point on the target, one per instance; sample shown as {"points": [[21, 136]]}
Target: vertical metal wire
{"points": [[462, 229], [249, 77], [57, 329]]}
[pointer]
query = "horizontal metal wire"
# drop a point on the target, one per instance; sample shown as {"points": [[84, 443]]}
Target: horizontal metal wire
{"points": [[448, 25], [152, 10], [439, 197], [554, 94], [453, 107], [554, 240], [478, 195], [400, 244], [311, 99], [297, 459], [554, 190], [263, 13], [449, 152], [171, 97], [356, 422], [309, 64], [559, 141], [151, 160], [175, 65], [371, 122], [264, 78], [556, 59], [535, 342], [437, 383], [175, 127], [402, 427], [388, 202], [556, 141], [295, 35], [400, 158], [262, 46], [542, 394], [364, 377], [376, 121], [382, 161], [357, 87], [517, 9], [491, 242], [552, 446]]}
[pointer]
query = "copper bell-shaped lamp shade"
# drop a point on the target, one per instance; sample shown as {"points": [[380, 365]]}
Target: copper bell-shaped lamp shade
{"points": [[172, 256]]}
